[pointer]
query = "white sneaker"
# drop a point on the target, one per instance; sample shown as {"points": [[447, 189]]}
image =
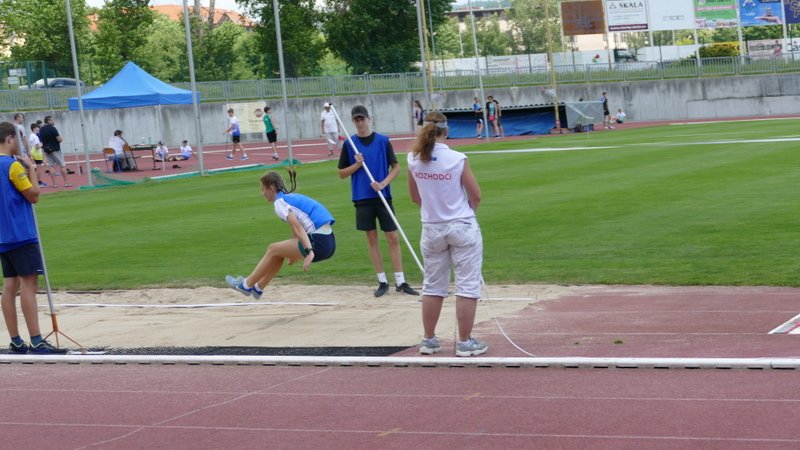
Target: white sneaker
{"points": [[430, 346], [472, 347]]}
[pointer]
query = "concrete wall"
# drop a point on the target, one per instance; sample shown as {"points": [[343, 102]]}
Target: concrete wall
{"points": [[675, 99]]}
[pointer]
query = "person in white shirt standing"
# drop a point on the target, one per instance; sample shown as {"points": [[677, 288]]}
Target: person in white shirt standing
{"points": [[236, 136], [441, 182], [35, 146], [24, 148], [330, 129]]}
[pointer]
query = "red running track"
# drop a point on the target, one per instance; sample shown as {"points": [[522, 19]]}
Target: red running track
{"points": [[49, 406]]}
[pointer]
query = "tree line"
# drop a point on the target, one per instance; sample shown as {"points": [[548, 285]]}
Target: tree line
{"points": [[340, 37]]}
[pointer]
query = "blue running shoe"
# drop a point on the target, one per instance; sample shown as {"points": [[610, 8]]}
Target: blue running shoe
{"points": [[256, 293], [472, 347], [245, 158], [45, 348], [229, 157], [430, 346], [20, 349], [238, 284]]}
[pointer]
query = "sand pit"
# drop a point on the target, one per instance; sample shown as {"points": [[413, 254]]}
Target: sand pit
{"points": [[284, 317]]}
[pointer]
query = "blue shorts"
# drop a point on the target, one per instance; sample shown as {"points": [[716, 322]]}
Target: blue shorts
{"points": [[324, 246], [22, 261]]}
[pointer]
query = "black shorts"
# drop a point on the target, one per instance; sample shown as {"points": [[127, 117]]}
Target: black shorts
{"points": [[38, 162], [272, 136], [236, 138], [369, 210], [324, 246], [22, 261]]}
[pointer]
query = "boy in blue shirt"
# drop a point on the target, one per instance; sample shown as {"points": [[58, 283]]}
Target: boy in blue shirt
{"points": [[377, 153], [19, 243]]}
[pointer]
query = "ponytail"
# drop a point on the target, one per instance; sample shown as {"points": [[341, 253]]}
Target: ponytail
{"points": [[274, 179], [435, 126]]}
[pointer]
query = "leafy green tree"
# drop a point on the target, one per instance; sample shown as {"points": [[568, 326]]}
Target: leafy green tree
{"points": [[303, 45], [491, 40], [215, 51], [164, 53], [378, 36], [36, 30], [122, 32], [448, 39], [528, 22]]}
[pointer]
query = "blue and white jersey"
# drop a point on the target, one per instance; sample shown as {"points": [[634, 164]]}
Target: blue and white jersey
{"points": [[233, 122], [311, 213]]}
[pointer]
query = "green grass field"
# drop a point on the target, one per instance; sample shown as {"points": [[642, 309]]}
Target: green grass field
{"points": [[674, 205]]}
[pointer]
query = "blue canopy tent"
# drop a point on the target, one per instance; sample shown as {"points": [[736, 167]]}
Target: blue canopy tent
{"points": [[132, 87]]}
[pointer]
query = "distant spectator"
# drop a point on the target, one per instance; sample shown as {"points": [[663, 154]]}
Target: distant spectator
{"points": [[330, 128], [272, 132], [418, 115], [51, 144], [186, 152], [24, 147], [476, 108], [236, 135], [607, 120], [162, 152], [118, 143], [621, 116], [35, 146]]}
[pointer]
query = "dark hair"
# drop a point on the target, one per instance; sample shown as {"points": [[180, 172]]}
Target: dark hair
{"points": [[39, 123], [267, 109], [47, 118], [230, 110], [118, 133], [34, 126], [17, 116], [6, 130], [423, 146], [275, 179], [184, 141]]}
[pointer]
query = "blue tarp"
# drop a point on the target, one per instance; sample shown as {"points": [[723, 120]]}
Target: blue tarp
{"points": [[132, 87], [516, 122]]}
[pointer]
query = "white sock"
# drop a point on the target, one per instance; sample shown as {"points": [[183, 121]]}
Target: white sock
{"points": [[244, 284], [382, 278], [257, 289], [399, 278]]}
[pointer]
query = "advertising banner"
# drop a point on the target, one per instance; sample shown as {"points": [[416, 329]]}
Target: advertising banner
{"points": [[760, 12], [583, 17], [765, 48], [791, 9], [712, 14], [671, 15], [627, 15]]}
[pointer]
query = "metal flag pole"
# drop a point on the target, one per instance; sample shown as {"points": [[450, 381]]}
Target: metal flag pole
{"points": [[423, 64], [553, 78], [195, 100], [478, 68], [80, 96], [380, 194], [283, 80]]}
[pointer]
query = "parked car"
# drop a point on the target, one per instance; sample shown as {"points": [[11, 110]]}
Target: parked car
{"points": [[54, 83]]}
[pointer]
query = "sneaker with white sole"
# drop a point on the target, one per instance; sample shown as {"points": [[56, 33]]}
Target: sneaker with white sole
{"points": [[256, 293], [19, 349], [237, 283], [245, 158], [229, 157], [44, 347], [430, 346], [472, 347]]}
